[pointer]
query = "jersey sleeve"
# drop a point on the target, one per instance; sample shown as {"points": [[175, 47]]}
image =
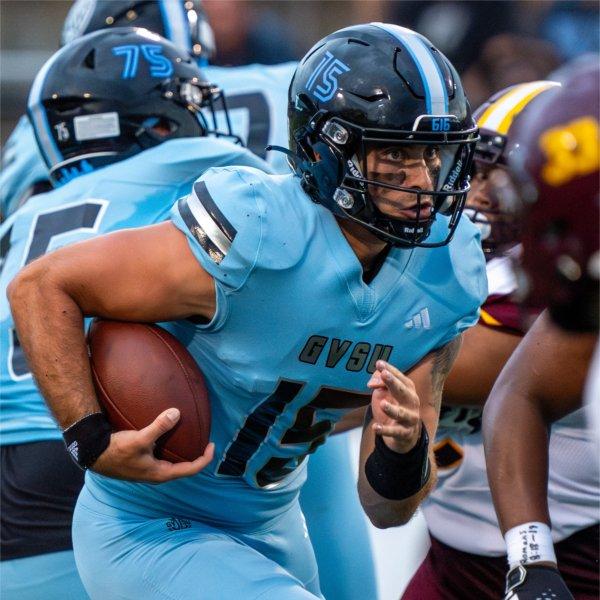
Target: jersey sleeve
{"points": [[500, 311], [223, 221]]}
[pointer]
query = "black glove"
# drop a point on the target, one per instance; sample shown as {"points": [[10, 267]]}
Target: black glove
{"points": [[531, 582]]}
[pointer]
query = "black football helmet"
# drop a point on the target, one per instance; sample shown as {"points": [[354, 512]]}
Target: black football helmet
{"points": [[113, 93], [490, 197], [379, 85], [183, 22], [556, 168]]}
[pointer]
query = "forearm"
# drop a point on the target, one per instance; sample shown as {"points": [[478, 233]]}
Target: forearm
{"points": [[541, 382], [49, 324], [384, 513], [517, 458], [352, 420], [398, 471]]}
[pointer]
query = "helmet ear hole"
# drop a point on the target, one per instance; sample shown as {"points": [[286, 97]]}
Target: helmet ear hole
{"points": [[90, 60], [164, 127]]}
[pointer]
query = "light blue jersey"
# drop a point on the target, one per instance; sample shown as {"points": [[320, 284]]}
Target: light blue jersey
{"points": [[135, 192], [257, 99], [295, 336], [22, 168]]}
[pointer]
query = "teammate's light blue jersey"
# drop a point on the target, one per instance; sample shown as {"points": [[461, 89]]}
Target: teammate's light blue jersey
{"points": [[295, 337], [22, 168], [257, 99], [132, 193]]}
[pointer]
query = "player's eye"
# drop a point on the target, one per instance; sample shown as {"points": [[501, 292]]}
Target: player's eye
{"points": [[431, 153], [393, 154]]}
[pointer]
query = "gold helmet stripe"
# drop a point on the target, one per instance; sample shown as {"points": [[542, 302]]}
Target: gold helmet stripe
{"points": [[501, 113]]}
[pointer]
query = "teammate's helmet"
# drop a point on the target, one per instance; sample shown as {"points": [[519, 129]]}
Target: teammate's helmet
{"points": [[558, 166], [379, 85], [497, 121], [111, 94], [182, 22]]}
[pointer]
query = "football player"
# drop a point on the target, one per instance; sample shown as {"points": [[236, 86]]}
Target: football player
{"points": [[257, 113], [327, 286], [118, 117], [466, 560], [256, 94], [558, 161]]}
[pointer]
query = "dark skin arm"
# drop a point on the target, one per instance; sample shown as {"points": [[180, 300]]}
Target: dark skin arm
{"points": [[483, 353], [147, 274], [542, 382], [399, 404]]}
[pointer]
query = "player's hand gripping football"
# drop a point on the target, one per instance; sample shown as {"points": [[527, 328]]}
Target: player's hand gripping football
{"points": [[396, 407], [130, 454]]}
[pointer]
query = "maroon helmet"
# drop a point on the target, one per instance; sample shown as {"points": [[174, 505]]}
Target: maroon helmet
{"points": [[491, 186], [557, 166]]}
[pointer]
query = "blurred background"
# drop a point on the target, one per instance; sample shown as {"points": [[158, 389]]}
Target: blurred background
{"points": [[493, 44]]}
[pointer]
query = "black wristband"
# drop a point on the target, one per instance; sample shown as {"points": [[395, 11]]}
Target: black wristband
{"points": [[398, 476], [88, 438]]}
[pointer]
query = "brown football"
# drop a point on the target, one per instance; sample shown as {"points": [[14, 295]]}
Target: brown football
{"points": [[139, 370]]}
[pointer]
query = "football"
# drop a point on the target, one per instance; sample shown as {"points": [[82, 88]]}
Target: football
{"points": [[140, 370]]}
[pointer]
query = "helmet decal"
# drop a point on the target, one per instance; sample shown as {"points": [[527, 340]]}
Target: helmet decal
{"points": [[328, 70], [570, 150], [160, 66]]}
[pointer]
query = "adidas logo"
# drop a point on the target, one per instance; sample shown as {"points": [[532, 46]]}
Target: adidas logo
{"points": [[73, 448], [420, 320]]}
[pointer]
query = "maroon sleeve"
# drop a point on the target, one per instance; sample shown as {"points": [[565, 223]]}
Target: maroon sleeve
{"points": [[502, 312]]}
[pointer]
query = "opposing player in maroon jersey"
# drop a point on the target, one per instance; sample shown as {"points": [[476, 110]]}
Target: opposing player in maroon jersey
{"points": [[557, 170], [467, 557]]}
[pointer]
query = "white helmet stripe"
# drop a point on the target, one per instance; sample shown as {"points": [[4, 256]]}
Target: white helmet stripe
{"points": [[436, 95], [498, 117]]}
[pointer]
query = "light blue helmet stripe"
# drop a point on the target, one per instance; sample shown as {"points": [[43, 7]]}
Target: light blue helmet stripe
{"points": [[37, 113], [436, 95], [177, 28]]}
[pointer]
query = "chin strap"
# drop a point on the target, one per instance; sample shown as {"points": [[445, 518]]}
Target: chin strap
{"points": [[294, 159], [300, 166]]}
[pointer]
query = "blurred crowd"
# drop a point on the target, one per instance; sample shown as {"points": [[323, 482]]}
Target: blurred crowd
{"points": [[493, 44]]}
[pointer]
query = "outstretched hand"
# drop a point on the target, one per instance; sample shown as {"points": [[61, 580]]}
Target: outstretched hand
{"points": [[130, 454], [396, 407]]}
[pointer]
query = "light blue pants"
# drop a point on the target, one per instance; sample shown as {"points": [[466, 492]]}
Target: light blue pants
{"points": [[125, 556], [50, 576], [337, 524]]}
